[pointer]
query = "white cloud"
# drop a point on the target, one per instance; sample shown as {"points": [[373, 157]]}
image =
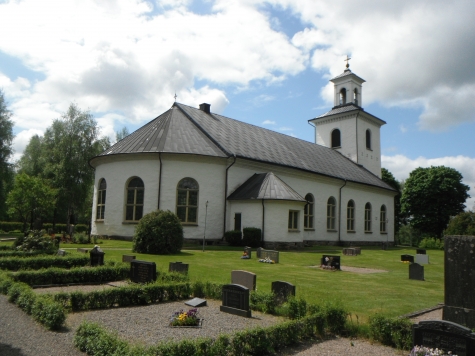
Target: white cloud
{"points": [[268, 122], [400, 166], [21, 140], [284, 128]]}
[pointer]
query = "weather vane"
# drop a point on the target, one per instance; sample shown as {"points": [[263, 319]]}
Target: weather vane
{"points": [[347, 60], [175, 97]]}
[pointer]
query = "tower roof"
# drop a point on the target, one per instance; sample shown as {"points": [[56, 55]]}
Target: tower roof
{"points": [[347, 73]]}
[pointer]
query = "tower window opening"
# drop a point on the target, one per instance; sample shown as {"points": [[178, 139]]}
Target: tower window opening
{"points": [[355, 96], [343, 96], [336, 138], [368, 139]]}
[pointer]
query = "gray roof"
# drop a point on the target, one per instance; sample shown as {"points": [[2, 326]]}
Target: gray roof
{"points": [[265, 186], [346, 73], [184, 129], [347, 108]]}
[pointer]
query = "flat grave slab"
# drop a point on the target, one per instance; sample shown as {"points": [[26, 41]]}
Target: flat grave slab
{"points": [[196, 302]]}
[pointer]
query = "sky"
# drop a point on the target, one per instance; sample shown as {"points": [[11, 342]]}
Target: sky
{"points": [[267, 63]]}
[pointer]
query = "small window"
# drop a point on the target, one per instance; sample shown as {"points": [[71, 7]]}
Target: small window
{"points": [[101, 199], [368, 139], [336, 138], [382, 219], [367, 217], [342, 96], [350, 216], [187, 201], [135, 198], [331, 214], [237, 221], [308, 212], [293, 220], [355, 96]]}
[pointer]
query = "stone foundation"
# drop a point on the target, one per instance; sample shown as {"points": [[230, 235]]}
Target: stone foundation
{"points": [[308, 243]]}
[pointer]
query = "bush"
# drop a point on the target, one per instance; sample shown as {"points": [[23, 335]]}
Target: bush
{"points": [[263, 302], [462, 224], [394, 332], [36, 240], [233, 237], [432, 243], [252, 237], [158, 232], [80, 238], [18, 263], [11, 226]]}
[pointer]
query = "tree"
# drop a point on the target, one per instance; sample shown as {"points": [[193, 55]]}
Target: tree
{"points": [[66, 149], [462, 224], [6, 151], [119, 135], [389, 179], [31, 160], [30, 197], [431, 196]]}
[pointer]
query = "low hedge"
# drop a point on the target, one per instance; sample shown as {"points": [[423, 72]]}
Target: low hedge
{"points": [[82, 275], [252, 237], [8, 226], [233, 237], [12, 253], [19, 263], [391, 331]]}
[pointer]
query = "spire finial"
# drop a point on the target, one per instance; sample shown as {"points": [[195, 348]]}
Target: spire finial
{"points": [[175, 97], [347, 61]]}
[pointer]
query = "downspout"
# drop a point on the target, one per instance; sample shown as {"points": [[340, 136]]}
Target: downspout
{"points": [[226, 195], [263, 222], [159, 180], [339, 216]]}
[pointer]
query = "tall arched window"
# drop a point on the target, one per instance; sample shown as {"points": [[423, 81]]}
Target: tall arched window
{"points": [[331, 214], [187, 200], [382, 219], [355, 96], [368, 139], [367, 217], [101, 199], [336, 138], [350, 216], [135, 197], [342, 96], [308, 212]]}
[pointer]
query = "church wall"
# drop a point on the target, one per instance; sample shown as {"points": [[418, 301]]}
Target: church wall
{"points": [[250, 210], [369, 158]]}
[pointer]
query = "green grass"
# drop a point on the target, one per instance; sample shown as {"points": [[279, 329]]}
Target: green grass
{"points": [[390, 293]]}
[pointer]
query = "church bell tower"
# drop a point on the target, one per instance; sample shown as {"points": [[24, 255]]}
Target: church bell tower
{"points": [[347, 127]]}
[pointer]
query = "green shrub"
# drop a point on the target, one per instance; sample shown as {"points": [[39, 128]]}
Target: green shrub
{"points": [[462, 224], [394, 332], [262, 301], [336, 317], [5, 248], [80, 238], [19, 263], [8, 226], [36, 240], [296, 308], [233, 237], [158, 232], [13, 253], [252, 237], [431, 243]]}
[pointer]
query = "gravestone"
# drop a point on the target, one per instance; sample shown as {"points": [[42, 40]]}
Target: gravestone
{"points": [[459, 269], [282, 291], [422, 259], [348, 251], [196, 302], [270, 254], [407, 258], [416, 271], [143, 271], [258, 252], [83, 250], [236, 300], [444, 335], [61, 252], [421, 251], [97, 256], [244, 278], [178, 267], [128, 258], [248, 251], [330, 261]]}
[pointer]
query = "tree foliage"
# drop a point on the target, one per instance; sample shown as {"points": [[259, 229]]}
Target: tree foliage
{"points": [[431, 196], [31, 160], [158, 232], [119, 135], [6, 151], [462, 224], [389, 179]]}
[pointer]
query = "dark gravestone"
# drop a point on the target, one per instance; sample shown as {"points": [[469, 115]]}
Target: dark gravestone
{"points": [[421, 251], [178, 267], [128, 258], [282, 291], [97, 256], [143, 271], [270, 254], [196, 302], [330, 261], [236, 300], [416, 271], [248, 251], [244, 278], [459, 268], [258, 252], [444, 335], [407, 258]]}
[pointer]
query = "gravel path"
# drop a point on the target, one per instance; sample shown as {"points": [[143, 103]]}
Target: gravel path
{"points": [[21, 336]]}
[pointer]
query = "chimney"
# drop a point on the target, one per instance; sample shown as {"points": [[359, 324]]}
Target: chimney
{"points": [[205, 107]]}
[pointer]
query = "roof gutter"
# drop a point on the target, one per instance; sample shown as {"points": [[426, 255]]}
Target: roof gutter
{"points": [[226, 194], [339, 216]]}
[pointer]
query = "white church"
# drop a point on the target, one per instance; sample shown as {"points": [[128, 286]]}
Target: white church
{"points": [[219, 174]]}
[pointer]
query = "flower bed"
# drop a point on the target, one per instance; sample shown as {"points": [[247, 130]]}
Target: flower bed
{"points": [[189, 319]]}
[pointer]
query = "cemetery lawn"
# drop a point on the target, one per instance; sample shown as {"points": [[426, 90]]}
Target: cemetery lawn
{"points": [[362, 294]]}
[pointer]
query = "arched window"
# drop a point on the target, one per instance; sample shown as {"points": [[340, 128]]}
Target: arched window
{"points": [[135, 197], [350, 216], [101, 199], [382, 219], [342, 96], [336, 138], [331, 214], [368, 139], [355, 96], [367, 217], [308, 212], [187, 200]]}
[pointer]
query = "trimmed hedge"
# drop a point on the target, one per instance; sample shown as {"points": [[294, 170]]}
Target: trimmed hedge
{"points": [[252, 237], [11, 253], [8, 226], [394, 332], [233, 237], [98, 274], [18, 263]]}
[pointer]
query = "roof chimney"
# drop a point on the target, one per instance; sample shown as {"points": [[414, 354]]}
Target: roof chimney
{"points": [[205, 107]]}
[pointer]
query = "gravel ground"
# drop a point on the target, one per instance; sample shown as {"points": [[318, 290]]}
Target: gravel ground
{"points": [[21, 336]]}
